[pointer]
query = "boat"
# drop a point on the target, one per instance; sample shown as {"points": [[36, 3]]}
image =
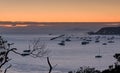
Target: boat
{"points": [[67, 39], [84, 42], [98, 56], [26, 52], [62, 43]]}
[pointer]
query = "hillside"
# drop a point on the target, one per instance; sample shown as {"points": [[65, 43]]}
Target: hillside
{"points": [[109, 31]]}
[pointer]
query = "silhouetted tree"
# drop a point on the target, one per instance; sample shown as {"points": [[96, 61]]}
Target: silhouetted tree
{"points": [[5, 49], [85, 69], [116, 67], [38, 50]]}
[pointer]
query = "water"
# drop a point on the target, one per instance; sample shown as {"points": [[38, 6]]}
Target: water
{"points": [[69, 57]]}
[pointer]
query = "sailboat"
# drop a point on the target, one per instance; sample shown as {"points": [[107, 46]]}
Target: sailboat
{"points": [[98, 56], [62, 43]]}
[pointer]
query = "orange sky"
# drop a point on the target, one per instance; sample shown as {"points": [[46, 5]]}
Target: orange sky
{"points": [[60, 10]]}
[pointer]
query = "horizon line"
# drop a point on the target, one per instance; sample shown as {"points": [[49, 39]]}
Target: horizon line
{"points": [[59, 22]]}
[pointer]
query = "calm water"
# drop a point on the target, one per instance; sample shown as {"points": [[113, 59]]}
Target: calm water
{"points": [[68, 57]]}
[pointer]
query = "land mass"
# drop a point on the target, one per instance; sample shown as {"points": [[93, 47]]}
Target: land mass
{"points": [[108, 31]]}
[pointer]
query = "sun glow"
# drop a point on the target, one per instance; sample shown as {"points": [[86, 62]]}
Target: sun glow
{"points": [[11, 25], [113, 24], [21, 25], [60, 11], [41, 25], [7, 25]]}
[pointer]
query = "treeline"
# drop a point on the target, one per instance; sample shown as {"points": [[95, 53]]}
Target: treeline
{"points": [[111, 69]]}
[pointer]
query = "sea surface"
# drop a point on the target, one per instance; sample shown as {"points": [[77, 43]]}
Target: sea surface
{"points": [[71, 56]]}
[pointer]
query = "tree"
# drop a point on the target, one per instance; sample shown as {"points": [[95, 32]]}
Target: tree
{"points": [[85, 69], [114, 68], [5, 49], [117, 56], [38, 50]]}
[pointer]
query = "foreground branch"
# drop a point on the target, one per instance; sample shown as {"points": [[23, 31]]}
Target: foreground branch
{"points": [[6, 57], [7, 68], [50, 66]]}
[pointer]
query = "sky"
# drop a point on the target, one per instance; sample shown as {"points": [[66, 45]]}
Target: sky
{"points": [[60, 10]]}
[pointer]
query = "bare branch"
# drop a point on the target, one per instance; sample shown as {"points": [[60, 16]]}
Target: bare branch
{"points": [[38, 49], [50, 66], [6, 59], [7, 68], [16, 52], [5, 49]]}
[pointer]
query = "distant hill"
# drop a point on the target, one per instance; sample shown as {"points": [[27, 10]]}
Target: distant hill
{"points": [[108, 31]]}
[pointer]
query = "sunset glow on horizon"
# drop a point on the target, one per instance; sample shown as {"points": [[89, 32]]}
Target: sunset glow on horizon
{"points": [[8, 25], [11, 25], [60, 10], [22, 25]]}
